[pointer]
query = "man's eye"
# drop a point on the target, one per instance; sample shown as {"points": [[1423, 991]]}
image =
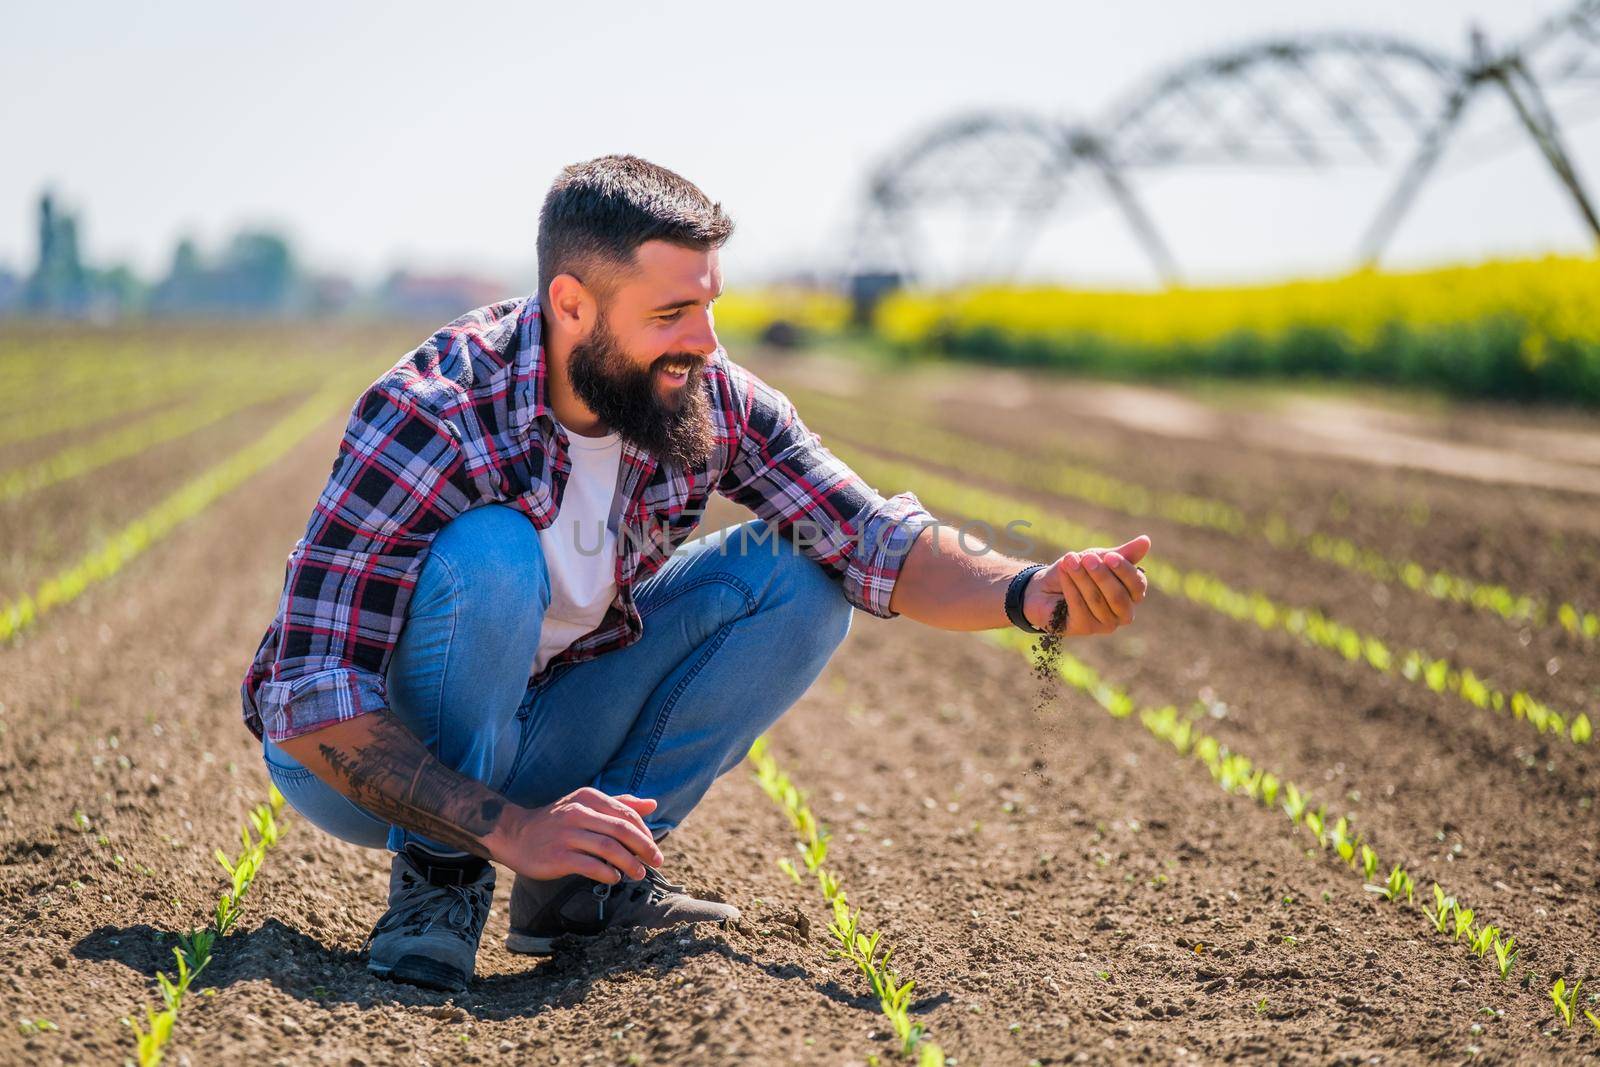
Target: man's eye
{"points": [[674, 317]]}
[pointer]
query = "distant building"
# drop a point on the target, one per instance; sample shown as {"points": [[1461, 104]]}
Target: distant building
{"points": [[437, 297], [254, 277], [59, 284]]}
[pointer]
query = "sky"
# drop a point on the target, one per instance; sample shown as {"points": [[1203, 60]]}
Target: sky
{"points": [[426, 134]]}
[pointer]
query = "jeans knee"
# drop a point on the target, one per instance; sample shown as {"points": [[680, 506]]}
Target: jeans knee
{"points": [[320, 804], [799, 586], [490, 555]]}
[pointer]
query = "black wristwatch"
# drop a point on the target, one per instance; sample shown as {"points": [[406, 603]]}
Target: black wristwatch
{"points": [[1014, 592]]}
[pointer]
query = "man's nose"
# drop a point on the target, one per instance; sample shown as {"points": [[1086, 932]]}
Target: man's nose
{"points": [[701, 339]]}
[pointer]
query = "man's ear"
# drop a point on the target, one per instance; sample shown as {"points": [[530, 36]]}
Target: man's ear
{"points": [[570, 306]]}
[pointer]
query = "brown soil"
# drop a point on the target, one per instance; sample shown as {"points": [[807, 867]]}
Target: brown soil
{"points": [[1061, 885]]}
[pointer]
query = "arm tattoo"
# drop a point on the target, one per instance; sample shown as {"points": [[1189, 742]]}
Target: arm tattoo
{"points": [[392, 775]]}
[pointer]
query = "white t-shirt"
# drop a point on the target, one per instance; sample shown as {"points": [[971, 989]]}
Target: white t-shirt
{"points": [[580, 546]]}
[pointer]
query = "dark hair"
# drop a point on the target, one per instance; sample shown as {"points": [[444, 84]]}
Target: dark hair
{"points": [[598, 213]]}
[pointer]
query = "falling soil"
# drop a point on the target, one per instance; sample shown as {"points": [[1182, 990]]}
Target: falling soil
{"points": [[1046, 654]]}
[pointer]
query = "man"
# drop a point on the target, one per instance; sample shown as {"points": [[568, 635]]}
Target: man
{"points": [[490, 646]]}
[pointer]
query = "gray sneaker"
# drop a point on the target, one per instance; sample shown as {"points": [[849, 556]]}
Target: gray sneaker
{"points": [[429, 936], [544, 911]]}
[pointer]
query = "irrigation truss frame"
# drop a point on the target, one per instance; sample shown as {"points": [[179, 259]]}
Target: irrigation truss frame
{"points": [[1316, 101]]}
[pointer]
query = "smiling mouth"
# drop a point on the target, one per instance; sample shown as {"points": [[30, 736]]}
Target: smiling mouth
{"points": [[675, 371]]}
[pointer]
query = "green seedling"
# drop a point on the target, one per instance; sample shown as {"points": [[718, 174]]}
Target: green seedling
{"points": [[1566, 1000], [787, 866], [815, 851], [150, 1044], [29, 1027], [1269, 790], [1339, 837], [1483, 939], [1463, 920], [1369, 862], [1505, 956], [1316, 822], [1261, 1006], [194, 949], [1594, 1019], [1440, 915], [1294, 802], [1398, 885], [862, 948]]}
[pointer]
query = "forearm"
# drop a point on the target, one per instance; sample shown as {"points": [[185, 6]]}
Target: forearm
{"points": [[953, 586], [376, 761]]}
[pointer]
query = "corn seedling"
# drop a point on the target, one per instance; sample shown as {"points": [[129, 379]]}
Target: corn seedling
{"points": [[1399, 882], [1483, 939], [1505, 956], [1308, 625], [815, 851], [1440, 915], [193, 952], [166, 515], [1369, 862], [1341, 841], [130, 440], [1296, 804], [1269, 789], [857, 945], [1594, 1019], [1316, 821], [1566, 1000]]}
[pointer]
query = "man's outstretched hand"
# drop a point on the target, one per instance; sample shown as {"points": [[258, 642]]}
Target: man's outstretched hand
{"points": [[1100, 586], [586, 832]]}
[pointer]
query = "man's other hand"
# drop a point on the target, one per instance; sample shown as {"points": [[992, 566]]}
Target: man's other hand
{"points": [[585, 832], [1101, 587]]}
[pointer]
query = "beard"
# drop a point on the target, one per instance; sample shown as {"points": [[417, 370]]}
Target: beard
{"points": [[624, 396]]}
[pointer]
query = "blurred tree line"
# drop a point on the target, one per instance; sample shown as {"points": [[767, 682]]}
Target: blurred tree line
{"points": [[254, 275]]}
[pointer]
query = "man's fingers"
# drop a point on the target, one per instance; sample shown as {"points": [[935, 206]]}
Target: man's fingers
{"points": [[1111, 591], [1134, 550], [607, 849], [635, 839], [621, 809], [1078, 615], [1116, 597], [1094, 601], [626, 807], [1132, 579], [586, 865]]}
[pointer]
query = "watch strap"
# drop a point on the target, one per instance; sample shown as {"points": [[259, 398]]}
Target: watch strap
{"points": [[1014, 595]]}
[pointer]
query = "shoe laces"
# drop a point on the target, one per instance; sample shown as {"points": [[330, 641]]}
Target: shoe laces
{"points": [[458, 909]]}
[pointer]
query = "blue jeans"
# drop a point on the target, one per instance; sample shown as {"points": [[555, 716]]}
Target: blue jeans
{"points": [[736, 627]]}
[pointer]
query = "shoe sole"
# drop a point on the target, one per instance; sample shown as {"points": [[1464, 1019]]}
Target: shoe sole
{"points": [[421, 971], [528, 945]]}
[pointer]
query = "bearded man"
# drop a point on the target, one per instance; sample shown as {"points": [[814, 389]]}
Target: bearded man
{"points": [[495, 641]]}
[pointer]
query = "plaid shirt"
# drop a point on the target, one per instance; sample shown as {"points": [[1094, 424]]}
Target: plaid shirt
{"points": [[464, 421]]}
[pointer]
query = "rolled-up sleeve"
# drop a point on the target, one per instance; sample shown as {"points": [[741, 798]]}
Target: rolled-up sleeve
{"points": [[396, 483], [781, 471]]}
